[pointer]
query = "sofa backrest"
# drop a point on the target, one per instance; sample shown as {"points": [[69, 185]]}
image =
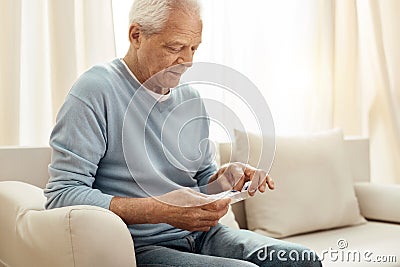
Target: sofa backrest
{"points": [[25, 164], [357, 153], [357, 150]]}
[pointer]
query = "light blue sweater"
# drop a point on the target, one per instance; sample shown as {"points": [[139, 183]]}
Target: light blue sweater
{"points": [[162, 145]]}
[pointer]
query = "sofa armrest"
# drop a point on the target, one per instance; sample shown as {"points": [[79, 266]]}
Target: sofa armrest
{"points": [[378, 201], [69, 236]]}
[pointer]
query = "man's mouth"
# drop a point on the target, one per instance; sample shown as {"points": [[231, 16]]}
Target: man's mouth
{"points": [[176, 73], [177, 70]]}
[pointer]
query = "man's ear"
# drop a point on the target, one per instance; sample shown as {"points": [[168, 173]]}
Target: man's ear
{"points": [[135, 35]]}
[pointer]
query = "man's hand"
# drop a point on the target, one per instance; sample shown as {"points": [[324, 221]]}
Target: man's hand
{"points": [[184, 208], [190, 210], [235, 175]]}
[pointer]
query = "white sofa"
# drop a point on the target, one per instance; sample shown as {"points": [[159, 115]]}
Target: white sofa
{"points": [[91, 236], [376, 240], [70, 236]]}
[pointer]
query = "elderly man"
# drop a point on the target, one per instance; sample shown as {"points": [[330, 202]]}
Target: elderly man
{"points": [[179, 227]]}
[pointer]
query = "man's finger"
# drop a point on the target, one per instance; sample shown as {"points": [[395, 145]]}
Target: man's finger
{"points": [[270, 182], [208, 215], [255, 183], [237, 172], [249, 172], [239, 185], [217, 204], [263, 185]]}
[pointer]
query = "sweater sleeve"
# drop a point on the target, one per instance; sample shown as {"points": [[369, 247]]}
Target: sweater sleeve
{"points": [[209, 166], [204, 175], [78, 142]]}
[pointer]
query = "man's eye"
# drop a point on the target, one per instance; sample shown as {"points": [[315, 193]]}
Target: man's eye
{"points": [[175, 49]]}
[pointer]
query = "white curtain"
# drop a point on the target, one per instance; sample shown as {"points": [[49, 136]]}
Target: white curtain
{"points": [[284, 47], [319, 64], [45, 45], [367, 79], [380, 83]]}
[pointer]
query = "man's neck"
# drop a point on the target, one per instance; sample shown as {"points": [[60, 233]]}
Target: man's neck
{"points": [[133, 65]]}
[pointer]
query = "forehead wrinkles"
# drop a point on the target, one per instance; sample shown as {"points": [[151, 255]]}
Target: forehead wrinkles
{"points": [[183, 36]]}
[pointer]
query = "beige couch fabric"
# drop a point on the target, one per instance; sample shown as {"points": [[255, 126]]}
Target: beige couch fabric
{"points": [[314, 186], [70, 236], [376, 201], [373, 244]]}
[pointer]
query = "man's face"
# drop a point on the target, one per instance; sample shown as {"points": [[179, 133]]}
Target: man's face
{"points": [[173, 46]]}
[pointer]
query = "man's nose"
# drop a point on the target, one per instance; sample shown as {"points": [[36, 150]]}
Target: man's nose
{"points": [[186, 58]]}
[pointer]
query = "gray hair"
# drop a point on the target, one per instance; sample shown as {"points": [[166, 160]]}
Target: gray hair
{"points": [[152, 15]]}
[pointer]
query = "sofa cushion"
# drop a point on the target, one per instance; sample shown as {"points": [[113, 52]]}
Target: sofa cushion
{"points": [[376, 201], [314, 185], [370, 244]]}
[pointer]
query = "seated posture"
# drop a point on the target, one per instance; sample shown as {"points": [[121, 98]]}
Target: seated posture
{"points": [[116, 145]]}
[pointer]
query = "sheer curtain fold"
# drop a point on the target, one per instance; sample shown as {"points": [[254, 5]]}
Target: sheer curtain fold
{"points": [[10, 37], [284, 47], [380, 78], [86, 39], [346, 92], [47, 45]]}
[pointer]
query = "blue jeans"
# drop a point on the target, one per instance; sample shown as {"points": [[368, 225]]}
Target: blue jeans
{"points": [[222, 246]]}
